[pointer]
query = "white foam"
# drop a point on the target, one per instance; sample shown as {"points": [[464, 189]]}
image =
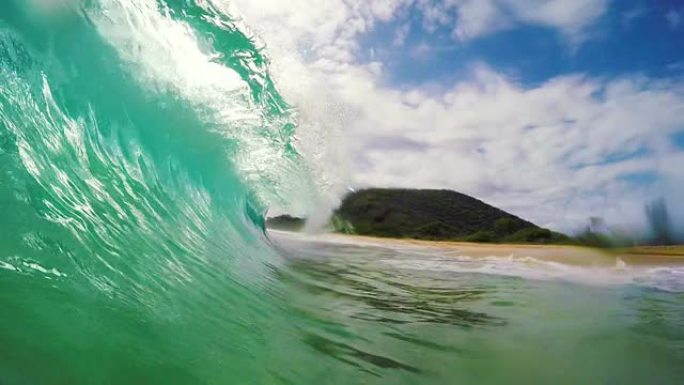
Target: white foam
{"points": [[37, 267], [662, 278], [167, 54], [431, 258], [7, 266]]}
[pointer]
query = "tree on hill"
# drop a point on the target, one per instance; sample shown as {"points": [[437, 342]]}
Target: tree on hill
{"points": [[659, 220], [435, 215]]}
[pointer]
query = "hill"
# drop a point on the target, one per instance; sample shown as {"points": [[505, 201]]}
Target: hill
{"points": [[434, 215], [285, 222]]}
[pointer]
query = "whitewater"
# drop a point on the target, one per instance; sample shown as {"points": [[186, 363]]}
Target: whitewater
{"points": [[142, 143]]}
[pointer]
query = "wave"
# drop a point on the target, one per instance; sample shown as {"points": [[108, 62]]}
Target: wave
{"points": [[123, 122], [141, 143]]}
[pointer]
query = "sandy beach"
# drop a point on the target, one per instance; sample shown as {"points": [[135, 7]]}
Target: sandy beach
{"points": [[569, 255]]}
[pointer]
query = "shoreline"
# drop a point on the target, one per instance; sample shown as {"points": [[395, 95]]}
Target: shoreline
{"points": [[565, 254]]}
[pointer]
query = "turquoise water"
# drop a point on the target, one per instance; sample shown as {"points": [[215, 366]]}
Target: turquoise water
{"points": [[141, 143], [413, 315]]}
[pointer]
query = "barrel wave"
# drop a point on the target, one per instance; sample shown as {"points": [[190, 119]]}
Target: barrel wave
{"points": [[140, 143]]}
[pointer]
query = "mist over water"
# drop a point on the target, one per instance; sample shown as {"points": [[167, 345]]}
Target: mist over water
{"points": [[141, 143]]}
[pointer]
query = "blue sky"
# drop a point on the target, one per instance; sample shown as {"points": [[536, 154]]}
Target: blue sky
{"points": [[644, 37], [556, 110]]}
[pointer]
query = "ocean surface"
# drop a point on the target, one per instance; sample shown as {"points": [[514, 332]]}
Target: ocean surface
{"points": [[142, 143]]}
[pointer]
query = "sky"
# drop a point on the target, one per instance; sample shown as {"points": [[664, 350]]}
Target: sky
{"points": [[554, 110]]}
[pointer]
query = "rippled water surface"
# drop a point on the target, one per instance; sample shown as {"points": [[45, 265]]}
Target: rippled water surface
{"points": [[372, 322]]}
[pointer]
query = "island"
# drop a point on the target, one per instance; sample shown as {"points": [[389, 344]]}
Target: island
{"points": [[285, 223], [436, 215]]}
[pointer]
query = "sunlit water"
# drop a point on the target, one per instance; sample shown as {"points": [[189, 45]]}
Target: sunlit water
{"points": [[141, 143]]}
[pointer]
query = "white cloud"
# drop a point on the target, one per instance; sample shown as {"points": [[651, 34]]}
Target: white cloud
{"points": [[629, 17], [674, 19], [401, 34], [540, 152], [475, 18], [337, 23]]}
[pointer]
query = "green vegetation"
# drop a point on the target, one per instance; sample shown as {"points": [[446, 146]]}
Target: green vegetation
{"points": [[286, 222], [444, 215], [595, 239], [659, 218], [435, 215]]}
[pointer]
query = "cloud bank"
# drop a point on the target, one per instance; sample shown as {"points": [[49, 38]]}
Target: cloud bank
{"points": [[556, 153]]}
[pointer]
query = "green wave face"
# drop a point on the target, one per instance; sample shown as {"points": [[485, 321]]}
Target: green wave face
{"points": [[140, 142]]}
